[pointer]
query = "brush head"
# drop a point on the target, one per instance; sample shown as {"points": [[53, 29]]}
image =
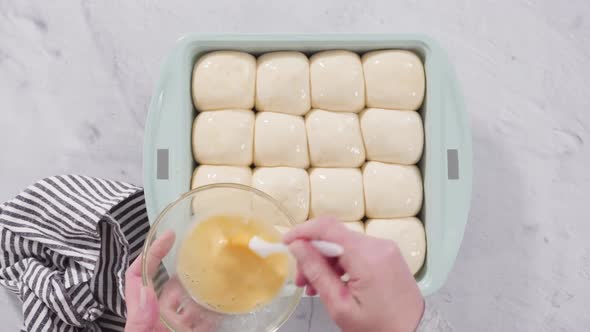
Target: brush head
{"points": [[241, 239], [258, 245], [263, 248]]}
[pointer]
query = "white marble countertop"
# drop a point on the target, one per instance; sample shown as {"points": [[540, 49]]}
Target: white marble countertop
{"points": [[76, 79]]}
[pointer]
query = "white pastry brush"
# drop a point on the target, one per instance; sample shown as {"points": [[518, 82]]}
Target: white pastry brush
{"points": [[263, 248]]}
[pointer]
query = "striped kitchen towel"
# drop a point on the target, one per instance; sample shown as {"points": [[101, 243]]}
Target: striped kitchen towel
{"points": [[66, 243]]}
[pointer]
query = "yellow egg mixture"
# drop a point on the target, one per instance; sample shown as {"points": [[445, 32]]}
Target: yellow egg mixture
{"points": [[229, 277]]}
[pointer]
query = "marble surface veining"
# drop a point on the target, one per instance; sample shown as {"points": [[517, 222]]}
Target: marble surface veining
{"points": [[76, 78]]}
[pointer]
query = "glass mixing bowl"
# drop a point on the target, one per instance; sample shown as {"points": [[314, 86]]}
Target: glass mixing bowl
{"points": [[180, 311]]}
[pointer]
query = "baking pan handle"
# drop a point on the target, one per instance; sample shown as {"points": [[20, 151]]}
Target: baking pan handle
{"points": [[458, 175], [167, 156]]}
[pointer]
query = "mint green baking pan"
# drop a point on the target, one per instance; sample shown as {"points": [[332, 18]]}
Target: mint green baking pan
{"points": [[446, 164]]}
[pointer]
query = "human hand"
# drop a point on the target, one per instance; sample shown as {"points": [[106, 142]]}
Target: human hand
{"points": [[142, 302], [381, 294], [144, 307]]}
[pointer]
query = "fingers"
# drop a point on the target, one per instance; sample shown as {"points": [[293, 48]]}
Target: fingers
{"points": [[156, 253], [182, 312], [301, 281], [158, 250], [133, 280], [310, 291], [332, 230], [319, 274], [144, 316]]}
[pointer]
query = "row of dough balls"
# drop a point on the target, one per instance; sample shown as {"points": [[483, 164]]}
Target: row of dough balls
{"points": [[289, 82], [408, 233], [379, 191], [392, 193], [322, 139]]}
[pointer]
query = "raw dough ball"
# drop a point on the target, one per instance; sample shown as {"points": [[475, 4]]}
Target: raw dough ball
{"points": [[206, 174], [394, 79], [280, 140], [337, 81], [224, 137], [408, 234], [392, 136], [224, 79], [356, 226], [334, 139], [392, 191], [282, 83], [337, 192], [289, 186]]}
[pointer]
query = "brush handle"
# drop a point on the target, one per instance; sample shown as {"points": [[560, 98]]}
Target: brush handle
{"points": [[263, 248], [328, 249]]}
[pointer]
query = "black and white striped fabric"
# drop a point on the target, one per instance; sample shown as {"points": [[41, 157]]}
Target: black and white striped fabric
{"points": [[66, 243]]}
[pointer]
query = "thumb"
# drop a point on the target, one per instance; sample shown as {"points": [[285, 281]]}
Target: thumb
{"points": [[319, 274], [144, 316]]}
